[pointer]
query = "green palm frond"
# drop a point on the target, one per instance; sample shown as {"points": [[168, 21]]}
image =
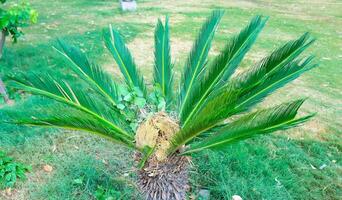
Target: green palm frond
{"points": [[62, 116], [261, 122], [116, 46], [254, 95], [237, 96], [163, 67], [276, 60], [222, 68], [217, 106], [90, 72], [195, 66], [62, 92]]}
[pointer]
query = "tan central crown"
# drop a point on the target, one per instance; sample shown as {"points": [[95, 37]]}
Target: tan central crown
{"points": [[156, 132]]}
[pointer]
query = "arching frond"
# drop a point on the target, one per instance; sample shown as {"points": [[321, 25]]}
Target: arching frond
{"points": [[234, 98], [63, 116], [218, 106], [90, 72], [275, 61], [194, 68], [116, 46], [62, 92], [261, 122], [280, 77], [163, 75], [222, 68]]}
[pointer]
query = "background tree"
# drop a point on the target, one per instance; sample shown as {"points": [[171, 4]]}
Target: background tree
{"points": [[12, 19], [211, 110]]}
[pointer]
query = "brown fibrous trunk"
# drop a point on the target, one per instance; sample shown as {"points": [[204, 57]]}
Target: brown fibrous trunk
{"points": [[167, 180], [163, 177]]}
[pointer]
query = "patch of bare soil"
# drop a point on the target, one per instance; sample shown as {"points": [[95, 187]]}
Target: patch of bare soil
{"points": [[313, 130], [180, 49], [143, 52]]}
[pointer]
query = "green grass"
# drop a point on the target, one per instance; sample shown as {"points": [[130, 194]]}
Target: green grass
{"points": [[281, 166], [271, 168]]}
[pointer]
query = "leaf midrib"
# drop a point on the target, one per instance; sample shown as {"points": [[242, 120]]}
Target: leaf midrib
{"points": [[89, 78], [271, 85], [84, 129], [233, 138], [121, 61], [198, 63], [163, 62], [207, 128], [213, 83], [77, 106]]}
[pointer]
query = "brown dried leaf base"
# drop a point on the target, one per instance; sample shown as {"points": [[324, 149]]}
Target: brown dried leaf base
{"points": [[167, 180]]}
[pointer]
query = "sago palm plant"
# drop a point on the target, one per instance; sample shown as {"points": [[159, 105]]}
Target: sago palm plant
{"points": [[210, 110]]}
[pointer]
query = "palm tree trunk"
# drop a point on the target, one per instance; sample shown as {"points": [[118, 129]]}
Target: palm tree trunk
{"points": [[167, 180], [2, 42], [163, 177]]}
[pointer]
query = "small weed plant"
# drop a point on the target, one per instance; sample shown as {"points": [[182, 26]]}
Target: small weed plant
{"points": [[11, 171]]}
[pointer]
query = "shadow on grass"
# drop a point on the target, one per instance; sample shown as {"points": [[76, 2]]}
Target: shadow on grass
{"points": [[271, 167], [78, 176], [81, 164]]}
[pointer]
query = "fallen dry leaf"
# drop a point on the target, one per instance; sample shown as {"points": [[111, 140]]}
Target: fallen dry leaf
{"points": [[47, 168], [8, 191]]}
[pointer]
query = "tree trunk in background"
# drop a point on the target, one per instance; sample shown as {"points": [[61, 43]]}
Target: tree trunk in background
{"points": [[3, 92], [2, 85], [2, 42]]}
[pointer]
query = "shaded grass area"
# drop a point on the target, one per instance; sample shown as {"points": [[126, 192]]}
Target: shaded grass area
{"points": [[81, 163], [282, 166], [272, 168]]}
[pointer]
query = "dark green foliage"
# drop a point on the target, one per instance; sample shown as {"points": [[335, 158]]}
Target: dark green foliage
{"points": [[11, 171], [90, 72], [163, 75], [247, 89], [197, 59], [273, 72], [90, 113], [222, 68], [15, 17], [116, 46], [261, 122]]}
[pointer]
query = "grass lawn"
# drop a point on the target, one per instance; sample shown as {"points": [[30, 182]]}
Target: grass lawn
{"points": [[302, 163]]}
